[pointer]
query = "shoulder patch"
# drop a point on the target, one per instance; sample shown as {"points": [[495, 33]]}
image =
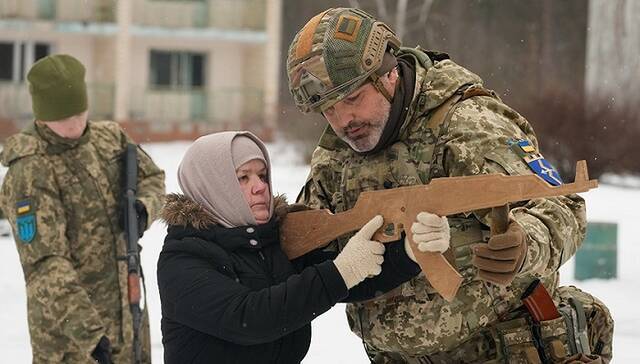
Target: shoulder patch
{"points": [[524, 146], [26, 221], [536, 161]]}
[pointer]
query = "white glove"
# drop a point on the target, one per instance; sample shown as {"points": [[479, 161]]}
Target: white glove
{"points": [[361, 257], [430, 234]]}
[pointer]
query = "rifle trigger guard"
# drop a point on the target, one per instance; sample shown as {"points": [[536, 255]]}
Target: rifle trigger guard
{"points": [[389, 229]]}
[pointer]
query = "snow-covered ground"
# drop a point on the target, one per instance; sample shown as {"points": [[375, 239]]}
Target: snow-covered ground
{"points": [[332, 342]]}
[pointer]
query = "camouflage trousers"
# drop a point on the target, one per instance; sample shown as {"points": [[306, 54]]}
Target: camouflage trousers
{"points": [[512, 342], [123, 354]]}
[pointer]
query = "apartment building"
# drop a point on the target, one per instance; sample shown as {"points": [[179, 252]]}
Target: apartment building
{"points": [[166, 69]]}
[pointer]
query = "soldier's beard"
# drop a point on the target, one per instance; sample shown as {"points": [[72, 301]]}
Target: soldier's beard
{"points": [[368, 137]]}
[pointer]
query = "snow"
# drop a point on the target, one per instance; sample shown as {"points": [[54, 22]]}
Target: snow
{"points": [[332, 341]]}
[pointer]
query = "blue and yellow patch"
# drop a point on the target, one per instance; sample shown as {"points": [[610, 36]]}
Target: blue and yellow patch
{"points": [[26, 221], [538, 164]]}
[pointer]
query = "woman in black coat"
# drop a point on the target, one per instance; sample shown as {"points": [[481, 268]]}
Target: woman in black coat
{"points": [[229, 294]]}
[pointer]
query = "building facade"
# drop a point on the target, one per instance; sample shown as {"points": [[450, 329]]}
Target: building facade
{"points": [[166, 69]]}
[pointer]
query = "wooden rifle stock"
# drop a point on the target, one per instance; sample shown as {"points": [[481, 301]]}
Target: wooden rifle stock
{"points": [[539, 303], [302, 232]]}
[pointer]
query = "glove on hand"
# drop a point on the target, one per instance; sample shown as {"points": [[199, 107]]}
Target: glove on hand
{"points": [[430, 234], [361, 257], [583, 358], [501, 258], [141, 214], [102, 352]]}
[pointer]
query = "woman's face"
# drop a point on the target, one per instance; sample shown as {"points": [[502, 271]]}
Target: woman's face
{"points": [[254, 183]]}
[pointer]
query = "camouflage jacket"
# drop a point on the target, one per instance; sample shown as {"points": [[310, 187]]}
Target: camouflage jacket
{"points": [[63, 200], [474, 139]]}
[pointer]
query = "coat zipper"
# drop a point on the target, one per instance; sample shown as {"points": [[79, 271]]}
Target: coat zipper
{"points": [[267, 272]]}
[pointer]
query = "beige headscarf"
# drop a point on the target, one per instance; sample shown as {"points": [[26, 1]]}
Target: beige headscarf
{"points": [[207, 174]]}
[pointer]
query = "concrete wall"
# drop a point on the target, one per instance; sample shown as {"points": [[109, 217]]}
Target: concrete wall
{"points": [[18, 8], [14, 97], [165, 13], [224, 71], [219, 29], [225, 14]]}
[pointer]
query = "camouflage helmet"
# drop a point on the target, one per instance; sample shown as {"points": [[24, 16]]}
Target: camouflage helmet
{"points": [[336, 52]]}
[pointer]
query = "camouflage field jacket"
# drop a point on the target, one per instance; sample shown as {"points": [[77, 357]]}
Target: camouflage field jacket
{"points": [[63, 200], [476, 138]]}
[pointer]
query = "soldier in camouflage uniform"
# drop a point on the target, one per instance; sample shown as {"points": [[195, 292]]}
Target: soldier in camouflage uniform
{"points": [[62, 195], [402, 116]]}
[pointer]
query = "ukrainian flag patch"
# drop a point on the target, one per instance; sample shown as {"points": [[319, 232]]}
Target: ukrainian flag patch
{"points": [[25, 221], [536, 162]]}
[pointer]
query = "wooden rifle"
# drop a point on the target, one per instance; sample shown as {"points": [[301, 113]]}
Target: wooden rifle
{"points": [[304, 231]]}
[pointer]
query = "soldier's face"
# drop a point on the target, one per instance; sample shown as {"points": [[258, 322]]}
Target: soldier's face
{"points": [[360, 118], [71, 127], [254, 183]]}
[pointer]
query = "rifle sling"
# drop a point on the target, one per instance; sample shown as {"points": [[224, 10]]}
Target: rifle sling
{"points": [[441, 116], [438, 123]]}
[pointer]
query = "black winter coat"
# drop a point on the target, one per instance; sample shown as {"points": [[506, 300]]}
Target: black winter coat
{"points": [[232, 296]]}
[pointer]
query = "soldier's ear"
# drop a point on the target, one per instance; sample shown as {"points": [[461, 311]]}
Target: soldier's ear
{"points": [[389, 80], [394, 73], [391, 77]]}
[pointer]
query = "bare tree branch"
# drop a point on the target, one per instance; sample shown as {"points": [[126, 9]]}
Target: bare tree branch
{"points": [[401, 17], [425, 9], [382, 11]]}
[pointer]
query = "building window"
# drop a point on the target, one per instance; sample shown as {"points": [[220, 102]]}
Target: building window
{"points": [[41, 50], [17, 58], [177, 70], [6, 61]]}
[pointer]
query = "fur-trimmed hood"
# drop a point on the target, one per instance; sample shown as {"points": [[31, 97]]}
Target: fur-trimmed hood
{"points": [[182, 211]]}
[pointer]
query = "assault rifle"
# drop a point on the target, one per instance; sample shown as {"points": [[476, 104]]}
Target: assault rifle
{"points": [[133, 256], [304, 231]]}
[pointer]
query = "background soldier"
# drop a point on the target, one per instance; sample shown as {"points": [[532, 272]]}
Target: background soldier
{"points": [[402, 116], [62, 194]]}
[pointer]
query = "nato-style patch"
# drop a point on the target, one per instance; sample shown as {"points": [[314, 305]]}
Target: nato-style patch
{"points": [[347, 28], [536, 161], [26, 221]]}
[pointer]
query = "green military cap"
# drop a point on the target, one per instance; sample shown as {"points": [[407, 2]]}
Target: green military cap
{"points": [[336, 52], [57, 87]]}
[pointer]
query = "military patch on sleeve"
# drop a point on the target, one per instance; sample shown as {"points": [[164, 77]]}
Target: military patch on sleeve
{"points": [[536, 162], [347, 28], [26, 221]]}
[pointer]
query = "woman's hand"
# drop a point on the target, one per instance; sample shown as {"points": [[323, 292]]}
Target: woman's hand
{"points": [[361, 257], [430, 234]]}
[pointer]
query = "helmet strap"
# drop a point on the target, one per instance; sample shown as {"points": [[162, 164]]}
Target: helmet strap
{"points": [[377, 83]]}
